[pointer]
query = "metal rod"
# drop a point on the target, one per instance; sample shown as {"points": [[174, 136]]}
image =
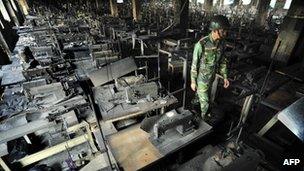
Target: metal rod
{"points": [[100, 129], [53, 150], [214, 88], [3, 165], [158, 62], [177, 91], [147, 70], [153, 79], [185, 77], [239, 135], [231, 125], [269, 69]]}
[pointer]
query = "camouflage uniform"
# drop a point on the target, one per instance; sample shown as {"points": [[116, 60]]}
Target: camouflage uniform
{"points": [[206, 62]]}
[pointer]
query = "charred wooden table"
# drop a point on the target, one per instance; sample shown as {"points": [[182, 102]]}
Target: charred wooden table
{"points": [[133, 150]]}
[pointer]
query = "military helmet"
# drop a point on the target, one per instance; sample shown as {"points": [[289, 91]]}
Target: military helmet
{"points": [[219, 22]]}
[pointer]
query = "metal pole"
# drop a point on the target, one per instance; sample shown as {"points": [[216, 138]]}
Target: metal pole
{"points": [[90, 96], [4, 44], [185, 77], [11, 12], [244, 114], [214, 88], [4, 165], [158, 62]]}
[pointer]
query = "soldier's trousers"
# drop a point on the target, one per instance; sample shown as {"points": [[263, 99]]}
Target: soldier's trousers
{"points": [[203, 97]]}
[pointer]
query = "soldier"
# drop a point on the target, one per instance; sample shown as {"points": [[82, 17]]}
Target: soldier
{"points": [[208, 60]]}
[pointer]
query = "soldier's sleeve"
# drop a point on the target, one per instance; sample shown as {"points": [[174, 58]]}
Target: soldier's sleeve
{"points": [[223, 67], [197, 53]]}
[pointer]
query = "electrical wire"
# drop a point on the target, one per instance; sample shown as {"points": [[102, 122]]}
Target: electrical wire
{"points": [[265, 82]]}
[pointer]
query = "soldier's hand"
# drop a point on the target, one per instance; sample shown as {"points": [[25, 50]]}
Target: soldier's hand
{"points": [[193, 86], [226, 83]]}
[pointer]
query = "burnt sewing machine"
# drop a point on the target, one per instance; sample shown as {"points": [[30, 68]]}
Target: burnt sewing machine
{"points": [[174, 130], [183, 123]]}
